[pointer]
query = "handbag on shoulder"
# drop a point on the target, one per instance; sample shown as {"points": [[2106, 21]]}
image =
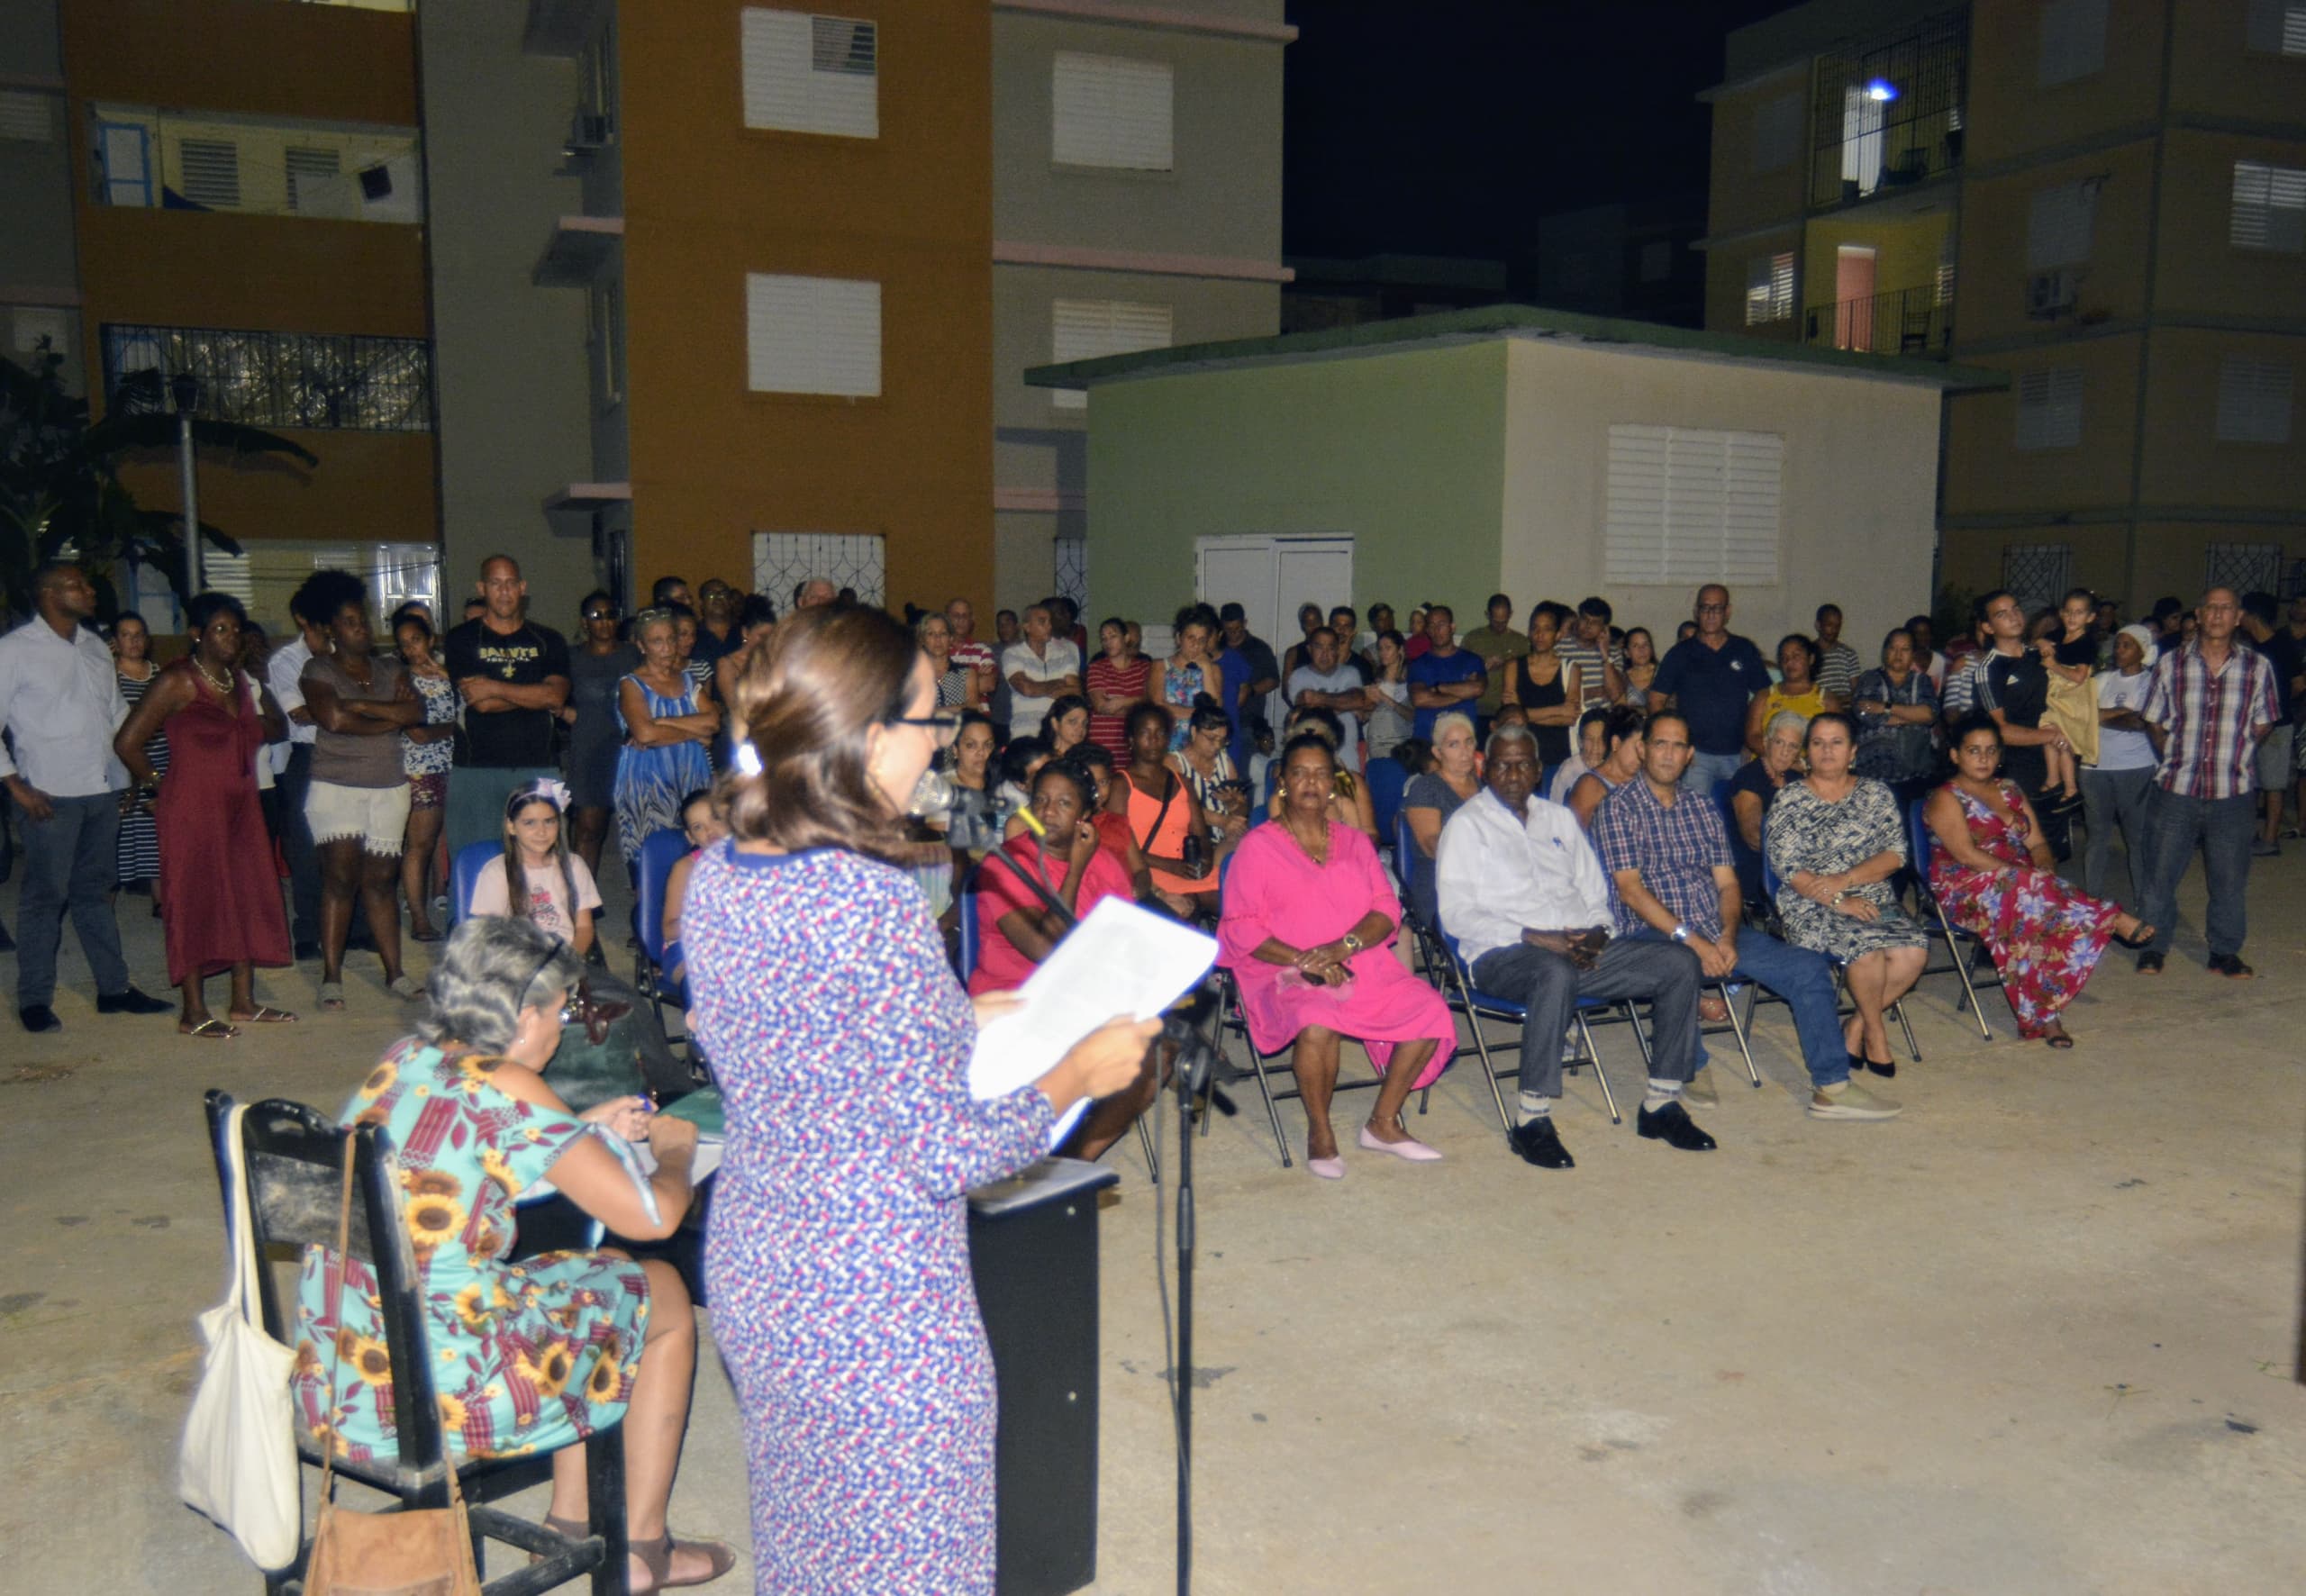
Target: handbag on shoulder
{"points": [[412, 1552], [238, 1463]]}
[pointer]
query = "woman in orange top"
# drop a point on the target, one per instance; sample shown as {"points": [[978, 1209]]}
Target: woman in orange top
{"points": [[1164, 817]]}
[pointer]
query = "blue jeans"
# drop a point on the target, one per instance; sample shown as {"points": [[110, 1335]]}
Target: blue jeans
{"points": [[1706, 769], [70, 863], [1805, 980], [2222, 827]]}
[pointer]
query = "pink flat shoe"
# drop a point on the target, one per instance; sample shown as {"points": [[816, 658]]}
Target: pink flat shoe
{"points": [[1412, 1149], [1328, 1169]]}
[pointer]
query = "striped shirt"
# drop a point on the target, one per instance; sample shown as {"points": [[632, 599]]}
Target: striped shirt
{"points": [[1838, 669], [2211, 719], [1677, 848], [1593, 684]]}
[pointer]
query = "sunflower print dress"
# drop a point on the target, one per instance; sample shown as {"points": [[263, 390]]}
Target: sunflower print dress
{"points": [[527, 1357]]}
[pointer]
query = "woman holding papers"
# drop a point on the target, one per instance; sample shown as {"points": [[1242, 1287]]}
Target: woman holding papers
{"points": [[837, 1256], [1309, 920]]}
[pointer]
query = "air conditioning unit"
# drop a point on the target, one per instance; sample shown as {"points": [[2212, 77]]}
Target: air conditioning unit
{"points": [[588, 133], [2050, 294]]}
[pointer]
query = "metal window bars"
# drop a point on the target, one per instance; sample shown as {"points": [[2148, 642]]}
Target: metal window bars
{"points": [[304, 380], [1888, 111]]}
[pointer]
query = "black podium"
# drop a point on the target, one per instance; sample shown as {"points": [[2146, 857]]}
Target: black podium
{"points": [[1033, 1251]]}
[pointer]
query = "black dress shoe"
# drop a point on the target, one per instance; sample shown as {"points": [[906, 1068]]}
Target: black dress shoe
{"points": [[1539, 1143], [38, 1017], [1672, 1126], [2231, 966], [129, 1001], [307, 951]]}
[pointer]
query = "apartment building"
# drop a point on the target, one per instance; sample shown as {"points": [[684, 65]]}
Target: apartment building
{"points": [[805, 259], [2118, 188], [233, 192]]}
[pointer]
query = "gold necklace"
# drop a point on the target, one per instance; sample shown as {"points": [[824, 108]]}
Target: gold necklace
{"points": [[223, 687]]}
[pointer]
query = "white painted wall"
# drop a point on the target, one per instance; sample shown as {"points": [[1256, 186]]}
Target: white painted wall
{"points": [[1859, 489]]}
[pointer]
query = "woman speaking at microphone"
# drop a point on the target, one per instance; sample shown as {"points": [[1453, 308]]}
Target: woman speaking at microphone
{"points": [[838, 1251]]}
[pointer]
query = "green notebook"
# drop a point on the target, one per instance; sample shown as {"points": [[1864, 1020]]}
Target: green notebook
{"points": [[702, 1109]]}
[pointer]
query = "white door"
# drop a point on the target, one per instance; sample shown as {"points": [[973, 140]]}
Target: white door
{"points": [[1269, 577]]}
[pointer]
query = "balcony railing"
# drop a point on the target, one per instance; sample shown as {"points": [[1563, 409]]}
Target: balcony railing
{"points": [[1903, 322], [275, 379], [1889, 111]]}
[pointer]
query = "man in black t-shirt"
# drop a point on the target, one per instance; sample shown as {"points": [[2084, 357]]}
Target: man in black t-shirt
{"points": [[2013, 687], [514, 675]]}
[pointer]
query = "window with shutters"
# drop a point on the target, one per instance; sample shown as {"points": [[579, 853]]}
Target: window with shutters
{"points": [[2058, 226], [2254, 400], [1090, 329], [813, 335], [26, 114], [1777, 133], [1113, 111], [1769, 288], [808, 74], [2074, 41], [210, 173], [1690, 505], [2278, 27], [2049, 408], [310, 166], [2269, 207]]}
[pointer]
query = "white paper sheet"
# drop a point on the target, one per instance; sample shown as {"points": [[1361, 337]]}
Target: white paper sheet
{"points": [[1120, 960]]}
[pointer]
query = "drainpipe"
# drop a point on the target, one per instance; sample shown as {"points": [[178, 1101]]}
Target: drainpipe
{"points": [[185, 392]]}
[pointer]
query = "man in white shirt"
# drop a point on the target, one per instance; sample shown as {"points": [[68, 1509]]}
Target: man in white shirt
{"points": [[60, 701], [1520, 889], [284, 673], [1325, 682], [1039, 667]]}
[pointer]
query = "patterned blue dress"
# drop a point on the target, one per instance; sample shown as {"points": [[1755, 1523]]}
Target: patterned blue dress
{"points": [[837, 1255], [650, 782]]}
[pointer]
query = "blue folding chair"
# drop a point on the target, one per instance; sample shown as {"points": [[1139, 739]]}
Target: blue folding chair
{"points": [[968, 949], [1959, 940], [464, 876], [1841, 970], [1479, 1005], [660, 853], [1388, 778]]}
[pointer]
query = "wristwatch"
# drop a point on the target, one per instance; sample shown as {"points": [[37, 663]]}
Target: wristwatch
{"points": [[1681, 931], [1350, 943]]}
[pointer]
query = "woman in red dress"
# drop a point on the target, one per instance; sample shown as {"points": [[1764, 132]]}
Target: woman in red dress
{"points": [[1995, 874], [220, 898]]}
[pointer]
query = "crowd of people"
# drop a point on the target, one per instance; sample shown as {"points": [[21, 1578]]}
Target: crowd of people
{"points": [[1554, 805]]}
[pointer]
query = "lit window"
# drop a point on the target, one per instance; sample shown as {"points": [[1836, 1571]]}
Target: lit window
{"points": [[2269, 207], [2278, 27], [1769, 289]]}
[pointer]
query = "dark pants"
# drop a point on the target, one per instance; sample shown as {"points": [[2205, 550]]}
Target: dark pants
{"points": [[296, 845], [1805, 980], [2222, 827], [71, 863], [1548, 985], [2113, 799]]}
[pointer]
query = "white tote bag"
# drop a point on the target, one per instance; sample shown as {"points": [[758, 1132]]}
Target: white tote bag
{"points": [[239, 1460]]}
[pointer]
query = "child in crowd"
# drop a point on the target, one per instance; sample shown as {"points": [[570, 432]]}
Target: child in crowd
{"points": [[2070, 655], [552, 889], [702, 824]]}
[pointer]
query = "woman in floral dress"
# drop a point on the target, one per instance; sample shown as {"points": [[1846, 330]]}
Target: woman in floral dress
{"points": [[1191, 673], [531, 1357], [1995, 874]]}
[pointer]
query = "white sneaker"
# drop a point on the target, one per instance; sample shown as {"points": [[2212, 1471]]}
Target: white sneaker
{"points": [[1849, 1100]]}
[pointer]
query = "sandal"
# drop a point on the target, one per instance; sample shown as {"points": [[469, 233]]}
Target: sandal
{"points": [[656, 1557], [425, 935], [2141, 938], [2060, 1041], [406, 985], [266, 1014], [211, 1029], [332, 996]]}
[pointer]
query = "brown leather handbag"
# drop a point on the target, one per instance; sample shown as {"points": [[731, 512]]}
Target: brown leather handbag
{"points": [[414, 1552]]}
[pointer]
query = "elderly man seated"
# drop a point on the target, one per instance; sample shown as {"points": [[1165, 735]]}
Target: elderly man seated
{"points": [[1520, 889], [1668, 856]]}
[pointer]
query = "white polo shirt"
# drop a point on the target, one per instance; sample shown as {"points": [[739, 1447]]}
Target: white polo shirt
{"points": [[60, 701], [1063, 659]]}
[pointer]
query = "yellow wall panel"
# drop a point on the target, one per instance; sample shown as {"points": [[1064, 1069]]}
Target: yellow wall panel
{"points": [[327, 63]]}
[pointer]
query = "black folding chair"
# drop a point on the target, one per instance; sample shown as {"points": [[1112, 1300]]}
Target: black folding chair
{"points": [[1959, 941], [296, 1171]]}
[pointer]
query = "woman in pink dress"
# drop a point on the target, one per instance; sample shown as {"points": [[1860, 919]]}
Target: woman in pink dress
{"points": [[1308, 923], [1995, 874]]}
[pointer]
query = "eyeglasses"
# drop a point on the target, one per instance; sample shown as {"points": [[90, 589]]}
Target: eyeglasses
{"points": [[945, 725]]}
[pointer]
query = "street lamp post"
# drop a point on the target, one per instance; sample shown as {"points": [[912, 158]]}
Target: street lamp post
{"points": [[185, 392]]}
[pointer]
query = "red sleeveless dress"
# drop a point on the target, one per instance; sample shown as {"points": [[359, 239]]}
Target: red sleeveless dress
{"points": [[220, 895]]}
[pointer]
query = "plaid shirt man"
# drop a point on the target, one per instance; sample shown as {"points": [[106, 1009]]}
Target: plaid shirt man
{"points": [[1676, 850], [2210, 721]]}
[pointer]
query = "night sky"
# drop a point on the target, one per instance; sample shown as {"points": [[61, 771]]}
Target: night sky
{"points": [[1448, 127]]}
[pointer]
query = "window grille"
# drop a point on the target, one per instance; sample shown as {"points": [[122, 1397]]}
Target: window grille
{"points": [[1862, 142], [1072, 572], [320, 381], [813, 335], [2278, 27], [2246, 568], [1089, 329], [808, 74], [2269, 207], [2038, 575], [1110, 111], [1691, 506], [782, 561], [2049, 408], [1769, 288], [2254, 400], [2073, 41], [211, 172]]}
